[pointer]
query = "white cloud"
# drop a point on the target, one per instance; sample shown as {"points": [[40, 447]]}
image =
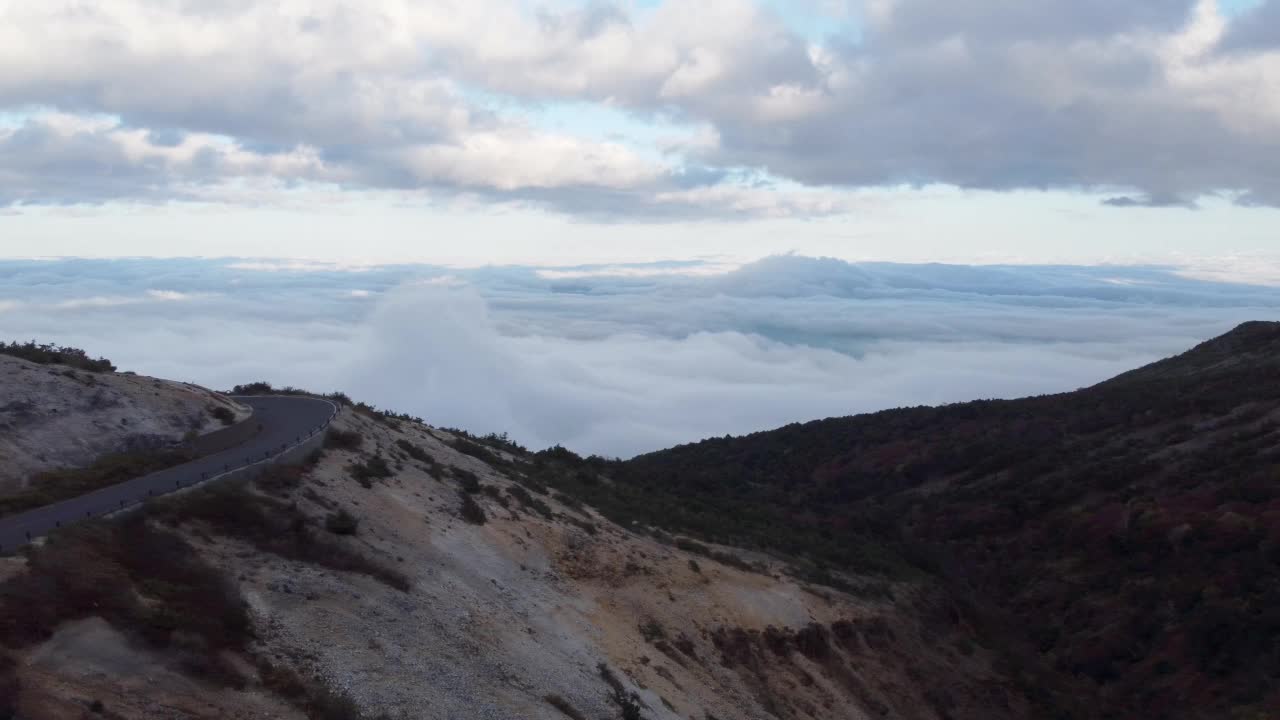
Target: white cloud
{"points": [[622, 359], [1160, 102]]}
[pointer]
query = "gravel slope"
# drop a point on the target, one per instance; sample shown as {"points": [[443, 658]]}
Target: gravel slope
{"points": [[52, 416]]}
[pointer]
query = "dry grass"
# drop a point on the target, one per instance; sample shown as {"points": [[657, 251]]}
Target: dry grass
{"points": [[54, 485], [145, 581], [273, 526]]}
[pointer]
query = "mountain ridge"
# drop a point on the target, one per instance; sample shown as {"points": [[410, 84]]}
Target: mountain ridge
{"points": [[1111, 552], [1090, 506]]}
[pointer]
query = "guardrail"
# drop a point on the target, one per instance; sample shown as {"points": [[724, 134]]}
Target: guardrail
{"points": [[97, 504]]}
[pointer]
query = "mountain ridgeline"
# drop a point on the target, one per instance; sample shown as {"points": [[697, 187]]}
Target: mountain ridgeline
{"points": [[1120, 544], [1112, 552]]}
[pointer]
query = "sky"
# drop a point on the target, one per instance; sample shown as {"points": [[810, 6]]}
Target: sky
{"points": [[624, 224], [559, 131]]}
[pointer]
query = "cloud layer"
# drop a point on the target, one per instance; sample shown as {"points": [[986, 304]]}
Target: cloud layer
{"points": [[621, 360], [1152, 102]]}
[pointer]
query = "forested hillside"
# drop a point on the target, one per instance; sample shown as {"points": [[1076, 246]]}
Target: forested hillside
{"points": [[1128, 534]]}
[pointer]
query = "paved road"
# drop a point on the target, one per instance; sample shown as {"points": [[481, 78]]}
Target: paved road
{"points": [[285, 422]]}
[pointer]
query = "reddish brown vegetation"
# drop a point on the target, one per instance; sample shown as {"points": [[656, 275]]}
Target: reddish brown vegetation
{"points": [[1126, 536]]}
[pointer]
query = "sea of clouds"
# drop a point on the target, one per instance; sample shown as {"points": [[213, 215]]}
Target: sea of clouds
{"points": [[626, 359]]}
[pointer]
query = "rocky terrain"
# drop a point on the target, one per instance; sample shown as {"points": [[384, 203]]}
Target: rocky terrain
{"points": [[481, 594], [55, 416], [1112, 552]]}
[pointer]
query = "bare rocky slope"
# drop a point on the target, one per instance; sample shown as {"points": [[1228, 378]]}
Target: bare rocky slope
{"points": [[411, 573], [54, 416]]}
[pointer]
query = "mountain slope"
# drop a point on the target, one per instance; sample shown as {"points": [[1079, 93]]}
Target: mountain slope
{"points": [[408, 571], [55, 416], [1130, 531]]}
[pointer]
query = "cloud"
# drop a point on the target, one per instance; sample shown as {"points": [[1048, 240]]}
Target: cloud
{"points": [[1150, 101], [620, 360], [1256, 30], [1148, 201], [1057, 96]]}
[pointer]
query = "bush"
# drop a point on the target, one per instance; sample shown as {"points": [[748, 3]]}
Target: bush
{"points": [[470, 483], [564, 707], [475, 450], [272, 526], [341, 523], [50, 354], [223, 415], [494, 492], [343, 439], [147, 582], [528, 501], [373, 468], [628, 703], [318, 701], [280, 479], [54, 485], [9, 686], [471, 510], [414, 451]]}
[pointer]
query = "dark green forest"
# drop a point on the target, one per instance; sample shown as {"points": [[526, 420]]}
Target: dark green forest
{"points": [[1125, 537]]}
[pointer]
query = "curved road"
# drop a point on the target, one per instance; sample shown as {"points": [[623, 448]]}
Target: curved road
{"points": [[286, 421]]}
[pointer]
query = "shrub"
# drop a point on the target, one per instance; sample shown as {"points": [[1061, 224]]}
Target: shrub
{"points": [[564, 707], [372, 468], [733, 561], [280, 479], [688, 545], [253, 388], [628, 703], [223, 415], [341, 523], [414, 451], [585, 525], [270, 525], [343, 439], [147, 582], [568, 501], [470, 483], [471, 510], [9, 686], [54, 485], [494, 492], [475, 450], [50, 354], [651, 630], [530, 502]]}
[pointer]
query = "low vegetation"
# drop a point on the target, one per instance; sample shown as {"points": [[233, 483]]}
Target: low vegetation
{"points": [[470, 510], [341, 523], [49, 354], [144, 580], [274, 526], [318, 700], [467, 480], [628, 703], [477, 451], [564, 707], [414, 451], [337, 439], [1152, 497], [223, 415], [372, 467], [52, 486]]}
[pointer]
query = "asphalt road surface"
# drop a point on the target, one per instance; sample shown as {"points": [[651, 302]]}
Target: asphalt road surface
{"points": [[285, 421]]}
